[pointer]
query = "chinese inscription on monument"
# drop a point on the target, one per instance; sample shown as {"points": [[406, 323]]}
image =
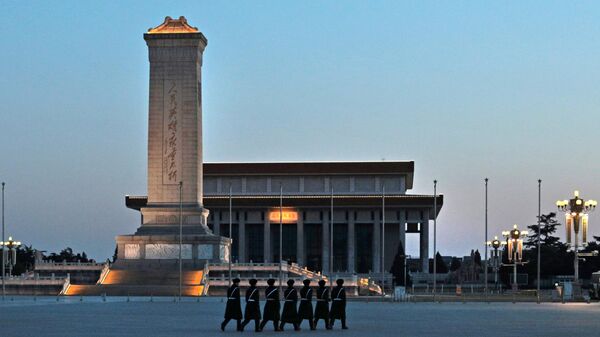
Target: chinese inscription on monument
{"points": [[172, 154]]}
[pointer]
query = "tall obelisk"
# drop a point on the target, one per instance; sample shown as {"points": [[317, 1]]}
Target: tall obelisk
{"points": [[174, 158], [175, 126]]}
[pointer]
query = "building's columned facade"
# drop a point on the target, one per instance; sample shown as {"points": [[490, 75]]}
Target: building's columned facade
{"points": [[306, 188]]}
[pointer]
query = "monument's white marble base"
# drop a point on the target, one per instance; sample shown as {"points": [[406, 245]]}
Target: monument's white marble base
{"points": [[144, 251]]}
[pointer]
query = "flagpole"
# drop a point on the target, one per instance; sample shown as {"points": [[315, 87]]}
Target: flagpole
{"points": [[280, 236], [434, 238], [230, 233], [486, 239], [383, 241], [3, 251], [539, 246], [180, 235], [331, 241]]}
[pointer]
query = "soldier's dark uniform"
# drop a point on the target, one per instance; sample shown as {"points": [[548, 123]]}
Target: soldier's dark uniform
{"points": [[305, 310], [338, 304], [271, 312], [322, 306], [290, 313], [233, 310], [252, 311]]}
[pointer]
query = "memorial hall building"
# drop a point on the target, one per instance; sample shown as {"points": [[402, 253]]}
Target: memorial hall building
{"points": [[306, 191]]}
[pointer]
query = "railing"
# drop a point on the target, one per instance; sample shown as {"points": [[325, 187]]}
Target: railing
{"points": [[261, 281], [204, 282], [247, 265], [285, 267], [66, 286], [36, 280], [294, 268], [104, 273], [43, 265]]}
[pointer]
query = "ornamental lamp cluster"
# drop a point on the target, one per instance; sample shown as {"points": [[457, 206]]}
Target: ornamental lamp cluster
{"points": [[11, 247], [496, 245], [576, 212], [514, 242]]}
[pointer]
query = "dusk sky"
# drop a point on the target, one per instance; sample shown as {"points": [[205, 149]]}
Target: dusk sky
{"points": [[468, 90]]}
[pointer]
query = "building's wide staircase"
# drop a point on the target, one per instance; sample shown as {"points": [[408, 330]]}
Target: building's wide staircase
{"points": [[126, 282], [218, 277], [212, 280]]}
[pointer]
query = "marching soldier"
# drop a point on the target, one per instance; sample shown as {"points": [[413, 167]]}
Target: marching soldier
{"points": [[305, 310], [290, 313], [271, 312], [322, 307], [252, 311], [233, 310], [338, 306]]}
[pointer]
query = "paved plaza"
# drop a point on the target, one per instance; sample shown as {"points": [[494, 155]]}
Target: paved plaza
{"points": [[162, 317]]}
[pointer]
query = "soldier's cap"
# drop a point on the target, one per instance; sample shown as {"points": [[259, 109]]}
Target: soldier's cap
{"points": [[322, 282], [290, 283], [236, 280], [306, 282], [339, 282], [252, 281], [270, 281]]}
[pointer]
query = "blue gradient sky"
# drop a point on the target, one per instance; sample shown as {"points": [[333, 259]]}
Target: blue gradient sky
{"points": [[507, 90]]}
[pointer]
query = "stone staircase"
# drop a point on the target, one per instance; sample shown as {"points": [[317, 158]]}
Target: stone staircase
{"points": [[218, 277], [127, 282]]}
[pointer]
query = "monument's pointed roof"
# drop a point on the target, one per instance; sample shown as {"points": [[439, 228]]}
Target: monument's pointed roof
{"points": [[173, 26]]}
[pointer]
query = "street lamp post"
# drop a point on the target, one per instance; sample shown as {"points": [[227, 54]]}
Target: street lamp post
{"points": [[11, 246], [496, 260], [576, 211], [514, 243]]}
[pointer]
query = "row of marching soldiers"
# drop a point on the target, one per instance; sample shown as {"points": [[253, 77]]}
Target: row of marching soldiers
{"points": [[290, 314]]}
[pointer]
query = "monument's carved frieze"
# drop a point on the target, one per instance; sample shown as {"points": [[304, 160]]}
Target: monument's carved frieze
{"points": [[160, 251]]}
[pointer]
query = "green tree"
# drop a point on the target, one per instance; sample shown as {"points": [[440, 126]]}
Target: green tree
{"points": [[556, 260], [441, 267], [25, 260], [398, 267], [477, 258], [67, 255], [548, 225], [455, 264], [116, 254]]}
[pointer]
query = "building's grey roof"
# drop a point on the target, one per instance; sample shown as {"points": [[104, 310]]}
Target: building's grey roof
{"points": [[249, 201], [314, 168]]}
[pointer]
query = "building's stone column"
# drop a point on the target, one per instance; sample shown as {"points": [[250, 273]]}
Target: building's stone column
{"points": [[300, 240], [424, 245], [267, 237], [242, 237], [377, 242], [217, 223], [351, 244], [325, 243], [391, 240], [402, 228]]}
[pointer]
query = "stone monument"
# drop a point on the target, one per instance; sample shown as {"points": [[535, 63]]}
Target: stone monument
{"points": [[174, 158]]}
